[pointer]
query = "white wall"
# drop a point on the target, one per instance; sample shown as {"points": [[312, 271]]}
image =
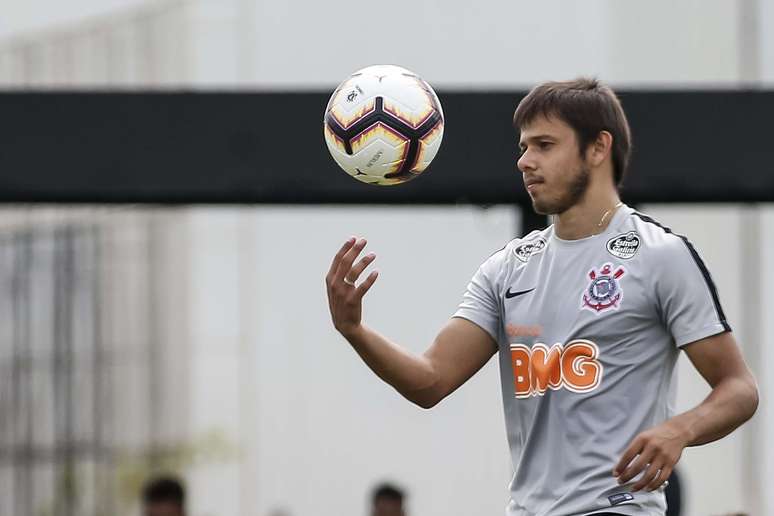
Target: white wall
{"points": [[687, 43], [453, 44], [766, 42], [117, 44], [39, 16], [500, 44]]}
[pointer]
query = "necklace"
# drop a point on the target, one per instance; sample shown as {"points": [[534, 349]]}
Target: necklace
{"points": [[602, 220]]}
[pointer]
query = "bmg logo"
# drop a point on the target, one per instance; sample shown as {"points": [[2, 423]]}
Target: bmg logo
{"points": [[574, 367]]}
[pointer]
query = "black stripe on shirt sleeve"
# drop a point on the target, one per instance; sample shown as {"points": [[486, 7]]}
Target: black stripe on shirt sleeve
{"points": [[699, 263]]}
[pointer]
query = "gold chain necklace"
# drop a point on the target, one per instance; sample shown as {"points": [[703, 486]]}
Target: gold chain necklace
{"points": [[602, 220]]}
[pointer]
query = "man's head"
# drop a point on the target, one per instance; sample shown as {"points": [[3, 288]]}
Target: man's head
{"points": [[572, 135], [163, 496], [387, 500]]}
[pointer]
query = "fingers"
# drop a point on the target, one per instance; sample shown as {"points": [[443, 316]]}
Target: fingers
{"points": [[650, 475], [640, 459], [634, 469], [361, 289], [632, 451], [662, 477], [344, 297], [345, 264], [342, 274], [355, 272], [653, 455], [336, 259]]}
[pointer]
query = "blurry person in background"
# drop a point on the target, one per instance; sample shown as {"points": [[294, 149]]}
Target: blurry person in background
{"points": [[387, 500], [163, 496]]}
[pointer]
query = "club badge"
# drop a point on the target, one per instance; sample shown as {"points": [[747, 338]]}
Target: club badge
{"points": [[604, 292]]}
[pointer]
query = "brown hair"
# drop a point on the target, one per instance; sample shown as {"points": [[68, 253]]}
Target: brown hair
{"points": [[588, 107]]}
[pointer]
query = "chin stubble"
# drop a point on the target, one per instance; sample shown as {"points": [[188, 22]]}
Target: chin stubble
{"points": [[576, 189]]}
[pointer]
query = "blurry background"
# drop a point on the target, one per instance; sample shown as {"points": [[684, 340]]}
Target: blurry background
{"points": [[196, 338]]}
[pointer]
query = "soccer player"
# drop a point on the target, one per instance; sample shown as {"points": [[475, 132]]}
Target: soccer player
{"points": [[587, 317]]}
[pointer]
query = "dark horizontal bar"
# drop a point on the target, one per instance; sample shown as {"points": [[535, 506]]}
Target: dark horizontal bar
{"points": [[248, 148]]}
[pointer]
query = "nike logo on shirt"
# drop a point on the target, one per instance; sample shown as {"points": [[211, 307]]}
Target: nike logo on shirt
{"points": [[510, 294]]}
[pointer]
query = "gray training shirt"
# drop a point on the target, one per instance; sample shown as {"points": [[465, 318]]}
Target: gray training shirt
{"points": [[588, 333]]}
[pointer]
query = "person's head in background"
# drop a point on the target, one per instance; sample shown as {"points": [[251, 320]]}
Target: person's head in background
{"points": [[387, 500], [163, 496]]}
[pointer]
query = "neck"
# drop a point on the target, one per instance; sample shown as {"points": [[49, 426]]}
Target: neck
{"points": [[590, 216]]}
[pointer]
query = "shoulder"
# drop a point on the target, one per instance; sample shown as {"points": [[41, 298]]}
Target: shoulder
{"points": [[520, 249], [658, 240], [665, 251], [515, 253]]}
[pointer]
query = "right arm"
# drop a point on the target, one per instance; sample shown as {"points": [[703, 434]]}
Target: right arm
{"points": [[458, 352]]}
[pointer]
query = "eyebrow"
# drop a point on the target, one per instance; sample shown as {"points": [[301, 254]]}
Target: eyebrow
{"points": [[536, 138]]}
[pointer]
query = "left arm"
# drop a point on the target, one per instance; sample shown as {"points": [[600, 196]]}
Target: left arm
{"points": [[732, 401]]}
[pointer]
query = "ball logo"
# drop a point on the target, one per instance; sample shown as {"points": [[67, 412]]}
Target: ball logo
{"points": [[527, 249], [624, 246], [604, 292], [374, 159], [574, 367]]}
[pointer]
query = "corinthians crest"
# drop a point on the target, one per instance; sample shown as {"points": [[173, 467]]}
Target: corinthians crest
{"points": [[604, 292]]}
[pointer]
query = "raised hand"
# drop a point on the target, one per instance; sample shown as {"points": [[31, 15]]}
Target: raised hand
{"points": [[344, 295]]}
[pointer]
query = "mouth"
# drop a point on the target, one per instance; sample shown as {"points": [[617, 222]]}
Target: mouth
{"points": [[532, 184]]}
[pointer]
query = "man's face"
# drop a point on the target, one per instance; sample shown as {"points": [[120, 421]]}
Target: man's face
{"points": [[387, 507], [163, 509], [554, 172]]}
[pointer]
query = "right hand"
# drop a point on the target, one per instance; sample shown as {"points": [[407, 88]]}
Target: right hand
{"points": [[344, 297]]}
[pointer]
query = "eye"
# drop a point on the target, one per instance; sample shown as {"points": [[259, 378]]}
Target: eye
{"points": [[545, 145]]}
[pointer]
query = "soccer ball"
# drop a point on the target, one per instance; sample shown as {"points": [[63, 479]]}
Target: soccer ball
{"points": [[383, 125]]}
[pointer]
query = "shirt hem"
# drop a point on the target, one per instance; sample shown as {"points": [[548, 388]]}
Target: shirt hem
{"points": [[478, 321], [709, 331]]}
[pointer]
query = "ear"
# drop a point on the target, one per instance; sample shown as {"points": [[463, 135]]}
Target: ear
{"points": [[600, 148]]}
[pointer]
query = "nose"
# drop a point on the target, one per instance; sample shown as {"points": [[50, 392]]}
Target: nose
{"points": [[525, 162]]}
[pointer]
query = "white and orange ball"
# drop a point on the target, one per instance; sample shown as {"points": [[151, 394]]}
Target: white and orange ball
{"points": [[383, 125]]}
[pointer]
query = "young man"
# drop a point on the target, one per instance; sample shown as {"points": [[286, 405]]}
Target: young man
{"points": [[587, 316]]}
